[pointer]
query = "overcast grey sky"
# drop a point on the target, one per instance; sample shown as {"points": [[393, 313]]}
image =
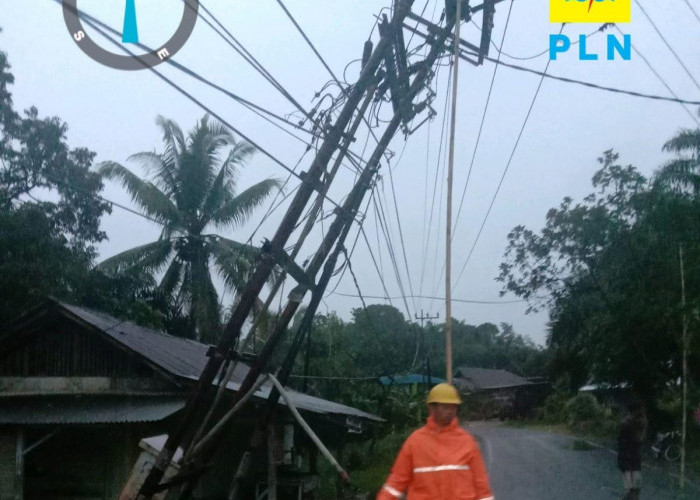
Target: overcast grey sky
{"points": [[113, 113]]}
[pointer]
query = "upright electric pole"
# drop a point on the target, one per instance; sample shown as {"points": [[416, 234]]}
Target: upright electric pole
{"points": [[448, 230], [423, 317], [685, 367]]}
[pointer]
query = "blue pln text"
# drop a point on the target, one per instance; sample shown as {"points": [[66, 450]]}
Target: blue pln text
{"points": [[558, 44]]}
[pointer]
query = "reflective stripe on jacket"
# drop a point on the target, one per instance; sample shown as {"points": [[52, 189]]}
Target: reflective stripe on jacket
{"points": [[438, 464]]}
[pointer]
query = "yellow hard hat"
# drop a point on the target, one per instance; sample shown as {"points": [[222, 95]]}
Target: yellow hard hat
{"points": [[444, 393]]}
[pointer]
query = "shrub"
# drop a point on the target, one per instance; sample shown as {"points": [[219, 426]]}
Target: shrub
{"points": [[554, 410], [583, 411]]}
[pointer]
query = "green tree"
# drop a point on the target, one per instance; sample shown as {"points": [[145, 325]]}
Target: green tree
{"points": [[382, 341], [607, 270], [46, 247], [682, 173], [192, 188], [34, 156]]}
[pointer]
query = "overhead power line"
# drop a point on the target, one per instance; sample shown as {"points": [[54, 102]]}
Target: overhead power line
{"points": [[398, 219], [240, 48], [695, 13], [661, 79], [505, 170], [431, 297], [439, 164], [668, 45], [374, 261], [250, 59], [589, 84], [323, 61], [541, 53], [255, 108], [384, 225], [313, 48], [483, 119], [324, 377], [97, 26]]}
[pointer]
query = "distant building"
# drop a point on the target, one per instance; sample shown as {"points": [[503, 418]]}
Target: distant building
{"points": [[79, 390], [498, 393], [610, 395]]}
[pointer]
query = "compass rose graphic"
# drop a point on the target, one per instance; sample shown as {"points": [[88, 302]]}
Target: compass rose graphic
{"points": [[73, 18], [130, 34]]}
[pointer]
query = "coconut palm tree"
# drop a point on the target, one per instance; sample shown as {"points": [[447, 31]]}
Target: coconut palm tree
{"points": [[190, 189], [683, 173]]}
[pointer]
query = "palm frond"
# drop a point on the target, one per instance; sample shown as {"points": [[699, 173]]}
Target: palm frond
{"points": [[680, 175], [686, 141], [236, 211], [216, 197], [207, 139], [175, 146], [234, 261], [222, 189], [149, 258], [171, 278], [161, 171], [148, 197], [240, 153], [198, 168]]}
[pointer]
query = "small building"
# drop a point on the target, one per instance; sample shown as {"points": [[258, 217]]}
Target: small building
{"points": [[80, 390], [498, 393], [609, 395]]}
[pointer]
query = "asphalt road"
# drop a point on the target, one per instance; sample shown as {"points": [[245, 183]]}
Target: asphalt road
{"points": [[526, 464]]}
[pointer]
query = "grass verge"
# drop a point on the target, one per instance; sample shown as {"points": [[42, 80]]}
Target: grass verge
{"points": [[367, 463]]}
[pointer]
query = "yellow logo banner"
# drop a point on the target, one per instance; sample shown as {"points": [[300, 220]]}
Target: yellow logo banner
{"points": [[590, 11]]}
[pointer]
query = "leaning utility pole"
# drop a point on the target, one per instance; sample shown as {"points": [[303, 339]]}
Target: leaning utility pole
{"points": [[394, 77], [264, 267]]}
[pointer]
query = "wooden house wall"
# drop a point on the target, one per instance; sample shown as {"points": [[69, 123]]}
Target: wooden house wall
{"points": [[8, 449], [89, 463], [68, 350]]}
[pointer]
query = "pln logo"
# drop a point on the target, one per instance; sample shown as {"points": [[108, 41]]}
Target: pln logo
{"points": [[590, 11]]}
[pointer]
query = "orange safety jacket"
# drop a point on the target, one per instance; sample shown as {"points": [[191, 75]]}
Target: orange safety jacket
{"points": [[438, 464]]}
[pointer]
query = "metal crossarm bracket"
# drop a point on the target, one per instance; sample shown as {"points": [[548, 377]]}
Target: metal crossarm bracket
{"points": [[292, 268], [486, 28]]}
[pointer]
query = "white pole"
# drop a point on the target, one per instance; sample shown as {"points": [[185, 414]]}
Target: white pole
{"points": [[448, 232], [685, 368]]}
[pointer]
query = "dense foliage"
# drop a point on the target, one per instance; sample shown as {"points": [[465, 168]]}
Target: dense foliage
{"points": [[608, 268], [46, 247], [342, 361]]}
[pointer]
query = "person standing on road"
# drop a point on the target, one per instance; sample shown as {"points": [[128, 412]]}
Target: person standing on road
{"points": [[439, 461], [629, 456]]}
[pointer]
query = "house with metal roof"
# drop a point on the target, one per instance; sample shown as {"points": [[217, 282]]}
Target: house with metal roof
{"points": [[498, 393], [79, 390], [471, 379]]}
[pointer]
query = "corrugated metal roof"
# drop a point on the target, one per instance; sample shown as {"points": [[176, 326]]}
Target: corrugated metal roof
{"points": [[51, 410], [484, 378], [178, 356], [187, 358]]}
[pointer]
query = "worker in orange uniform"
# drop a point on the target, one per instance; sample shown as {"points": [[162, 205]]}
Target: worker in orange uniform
{"points": [[439, 461]]}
